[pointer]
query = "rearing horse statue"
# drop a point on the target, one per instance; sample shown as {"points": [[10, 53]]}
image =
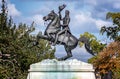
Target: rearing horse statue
{"points": [[68, 40]]}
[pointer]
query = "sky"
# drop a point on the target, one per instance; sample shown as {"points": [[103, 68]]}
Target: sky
{"points": [[86, 16]]}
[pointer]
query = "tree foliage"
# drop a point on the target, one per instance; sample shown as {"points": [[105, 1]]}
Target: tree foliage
{"points": [[16, 53], [96, 45], [113, 32], [109, 60]]}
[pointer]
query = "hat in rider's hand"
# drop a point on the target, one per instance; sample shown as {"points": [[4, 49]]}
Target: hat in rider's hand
{"points": [[62, 7]]}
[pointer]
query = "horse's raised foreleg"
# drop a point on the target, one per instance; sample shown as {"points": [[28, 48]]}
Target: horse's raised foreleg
{"points": [[69, 54], [40, 36]]}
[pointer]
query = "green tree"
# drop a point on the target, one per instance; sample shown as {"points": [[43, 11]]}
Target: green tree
{"points": [[96, 45], [16, 53], [109, 58], [112, 32]]}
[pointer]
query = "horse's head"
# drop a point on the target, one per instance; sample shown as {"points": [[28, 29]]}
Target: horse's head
{"points": [[50, 16]]}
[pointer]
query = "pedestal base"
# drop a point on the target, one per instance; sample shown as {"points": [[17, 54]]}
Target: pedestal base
{"points": [[53, 69]]}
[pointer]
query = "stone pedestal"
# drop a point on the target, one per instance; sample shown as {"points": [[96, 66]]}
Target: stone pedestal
{"points": [[53, 69]]}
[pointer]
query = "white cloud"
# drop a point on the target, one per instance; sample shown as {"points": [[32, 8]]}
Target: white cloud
{"points": [[38, 19], [86, 22], [12, 11], [82, 22], [83, 18], [100, 23]]}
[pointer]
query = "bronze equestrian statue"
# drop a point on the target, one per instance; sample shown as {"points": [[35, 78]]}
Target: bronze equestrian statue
{"points": [[58, 33]]}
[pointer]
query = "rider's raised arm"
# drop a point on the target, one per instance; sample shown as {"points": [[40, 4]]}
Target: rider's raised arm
{"points": [[60, 16], [60, 9]]}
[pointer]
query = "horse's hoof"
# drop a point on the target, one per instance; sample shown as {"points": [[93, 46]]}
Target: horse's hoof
{"points": [[60, 59]]}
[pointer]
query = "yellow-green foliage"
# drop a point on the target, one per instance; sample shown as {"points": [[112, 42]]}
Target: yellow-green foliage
{"points": [[95, 44]]}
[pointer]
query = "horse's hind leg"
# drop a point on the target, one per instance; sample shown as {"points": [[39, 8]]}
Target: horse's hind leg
{"points": [[69, 54]]}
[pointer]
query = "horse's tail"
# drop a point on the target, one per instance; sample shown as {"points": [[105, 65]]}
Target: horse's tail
{"points": [[86, 41]]}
